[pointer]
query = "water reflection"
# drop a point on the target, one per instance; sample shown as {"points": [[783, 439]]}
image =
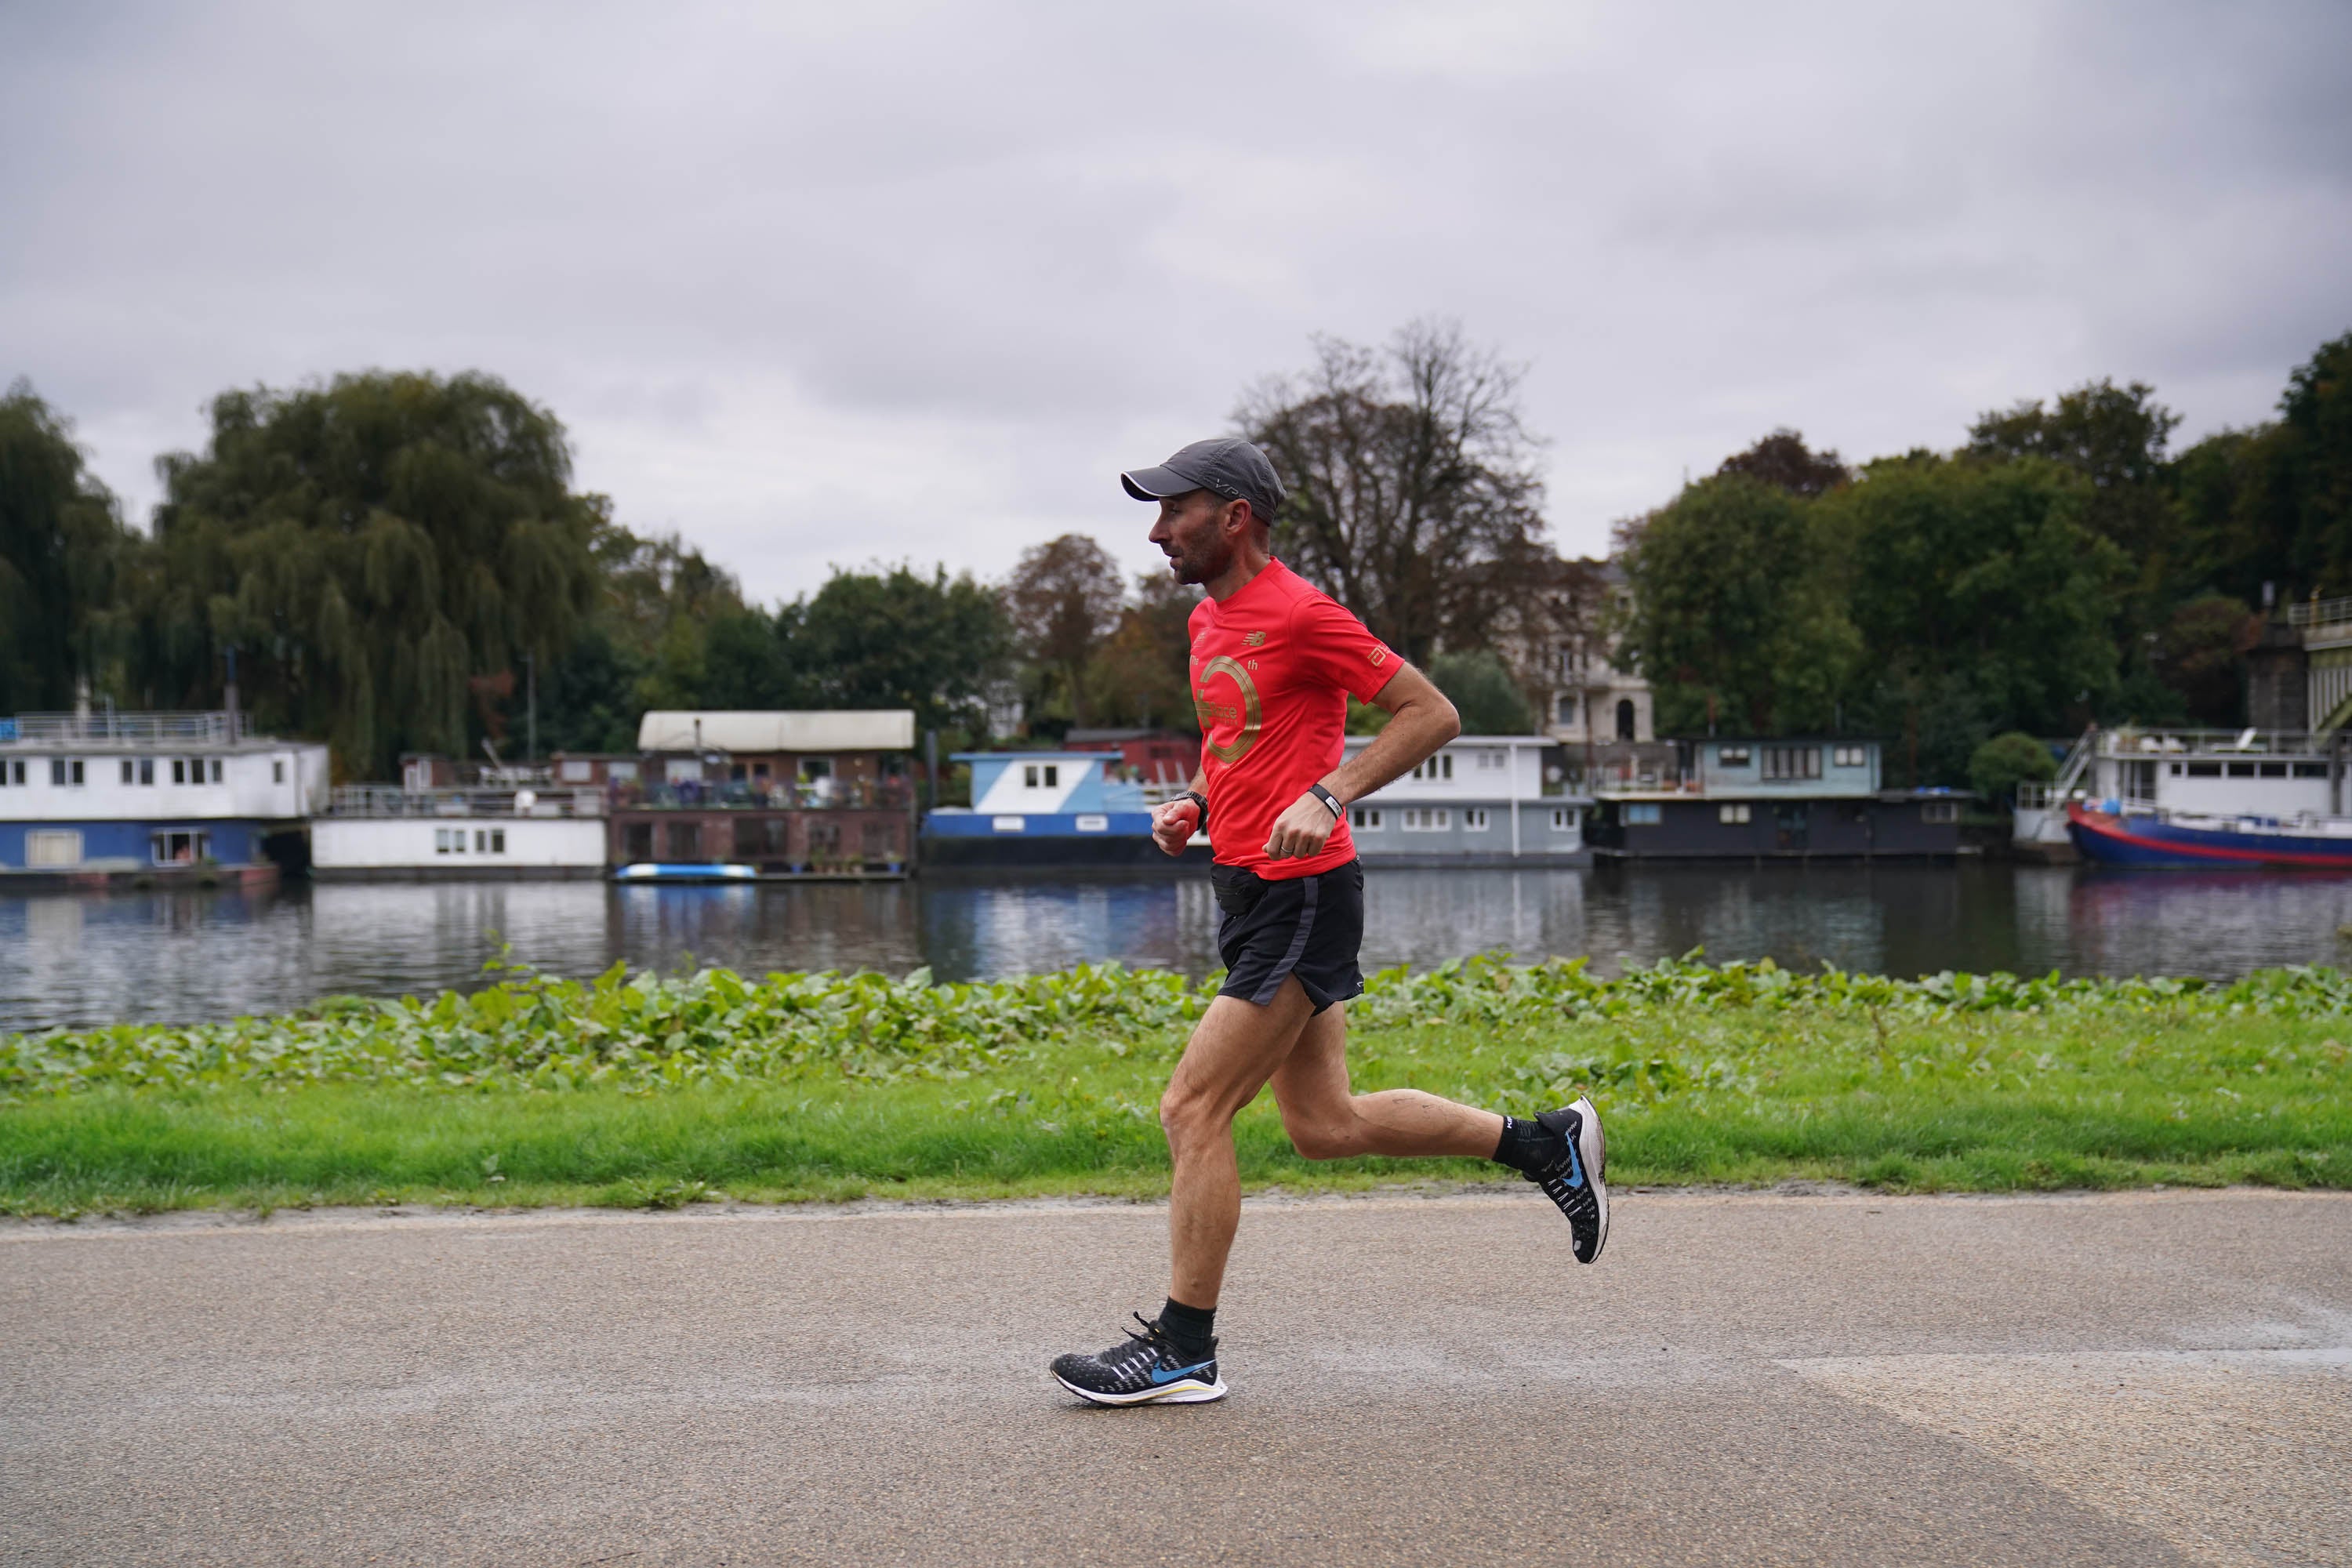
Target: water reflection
{"points": [[68, 959]]}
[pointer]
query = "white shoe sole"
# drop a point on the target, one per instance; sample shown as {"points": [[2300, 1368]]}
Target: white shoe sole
{"points": [[1593, 1147], [1184, 1391]]}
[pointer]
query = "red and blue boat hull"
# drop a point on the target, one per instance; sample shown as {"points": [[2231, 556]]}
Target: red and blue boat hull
{"points": [[2114, 838]]}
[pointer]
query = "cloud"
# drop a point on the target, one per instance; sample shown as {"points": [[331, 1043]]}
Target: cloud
{"points": [[822, 285]]}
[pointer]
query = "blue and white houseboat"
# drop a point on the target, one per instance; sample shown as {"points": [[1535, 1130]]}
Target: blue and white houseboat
{"points": [[2250, 799], [92, 799], [1056, 809], [1485, 800]]}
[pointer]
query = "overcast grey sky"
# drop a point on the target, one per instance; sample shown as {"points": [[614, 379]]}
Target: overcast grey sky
{"points": [[836, 283]]}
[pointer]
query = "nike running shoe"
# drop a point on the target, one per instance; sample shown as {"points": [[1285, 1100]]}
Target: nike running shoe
{"points": [[1571, 1177], [1144, 1369]]}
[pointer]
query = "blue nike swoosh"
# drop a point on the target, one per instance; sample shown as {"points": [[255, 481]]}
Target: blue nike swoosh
{"points": [[1575, 1166], [1161, 1375]]}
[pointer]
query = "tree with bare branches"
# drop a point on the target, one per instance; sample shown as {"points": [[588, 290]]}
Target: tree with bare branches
{"points": [[1064, 598], [1415, 496]]}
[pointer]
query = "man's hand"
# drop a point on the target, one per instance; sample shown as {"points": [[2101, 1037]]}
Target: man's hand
{"points": [[1173, 823], [1301, 831]]}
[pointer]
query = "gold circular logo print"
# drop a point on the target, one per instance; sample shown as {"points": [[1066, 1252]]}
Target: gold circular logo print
{"points": [[1247, 715]]}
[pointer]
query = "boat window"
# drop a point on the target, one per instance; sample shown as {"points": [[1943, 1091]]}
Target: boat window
{"points": [[1850, 757], [2311, 770], [1473, 820], [180, 848], [1732, 756], [1563, 819], [1642, 814], [2241, 769], [2204, 770], [1366, 817], [1732, 811], [1792, 761], [2273, 769], [1940, 811]]}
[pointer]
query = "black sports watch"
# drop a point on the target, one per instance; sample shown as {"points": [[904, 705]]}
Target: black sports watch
{"points": [[1203, 802], [1327, 798]]}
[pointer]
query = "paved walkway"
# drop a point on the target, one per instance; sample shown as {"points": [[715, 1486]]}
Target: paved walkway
{"points": [[2154, 1378]]}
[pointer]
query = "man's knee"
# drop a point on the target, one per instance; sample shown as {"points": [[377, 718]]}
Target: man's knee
{"points": [[1324, 1138], [1188, 1116]]}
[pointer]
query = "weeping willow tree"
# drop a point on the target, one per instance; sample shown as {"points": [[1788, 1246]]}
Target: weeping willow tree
{"points": [[375, 551], [62, 551]]}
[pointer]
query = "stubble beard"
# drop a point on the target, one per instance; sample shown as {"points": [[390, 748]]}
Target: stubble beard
{"points": [[1196, 566]]}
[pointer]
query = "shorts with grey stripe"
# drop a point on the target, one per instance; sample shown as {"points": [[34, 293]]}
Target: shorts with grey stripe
{"points": [[1305, 926]]}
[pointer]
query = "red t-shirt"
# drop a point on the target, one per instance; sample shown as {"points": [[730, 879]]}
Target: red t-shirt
{"points": [[1272, 668]]}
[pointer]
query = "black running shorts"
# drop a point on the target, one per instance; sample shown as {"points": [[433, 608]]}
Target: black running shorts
{"points": [[1306, 926]]}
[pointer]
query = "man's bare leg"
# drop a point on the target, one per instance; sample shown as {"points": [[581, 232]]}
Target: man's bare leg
{"points": [[1235, 1048], [1326, 1121]]}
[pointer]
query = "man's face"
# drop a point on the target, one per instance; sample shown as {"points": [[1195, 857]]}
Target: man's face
{"points": [[1192, 532]]}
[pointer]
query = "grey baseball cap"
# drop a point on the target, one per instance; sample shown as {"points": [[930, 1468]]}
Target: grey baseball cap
{"points": [[1223, 464]]}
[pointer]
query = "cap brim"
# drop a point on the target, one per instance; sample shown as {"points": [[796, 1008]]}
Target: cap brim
{"points": [[1156, 484]]}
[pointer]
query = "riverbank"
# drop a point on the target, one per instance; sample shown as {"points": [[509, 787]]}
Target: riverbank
{"points": [[648, 1092]]}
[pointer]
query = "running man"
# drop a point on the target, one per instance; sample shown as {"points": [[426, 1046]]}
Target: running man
{"points": [[1273, 665]]}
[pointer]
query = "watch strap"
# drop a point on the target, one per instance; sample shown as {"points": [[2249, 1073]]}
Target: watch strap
{"points": [[1202, 824], [1327, 798]]}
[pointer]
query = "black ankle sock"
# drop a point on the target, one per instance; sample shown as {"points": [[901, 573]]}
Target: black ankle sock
{"points": [[1188, 1328], [1525, 1145]]}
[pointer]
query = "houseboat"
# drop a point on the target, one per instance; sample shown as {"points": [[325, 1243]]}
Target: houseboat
{"points": [[2181, 797], [453, 832], [1481, 800], [1060, 809], [734, 797], [1795, 798], [97, 799]]}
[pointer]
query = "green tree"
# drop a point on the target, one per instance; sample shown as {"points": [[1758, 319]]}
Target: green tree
{"points": [[2114, 436], [1736, 617], [2200, 653], [1783, 461], [2235, 532], [899, 639], [1138, 675], [2312, 474], [1482, 690], [63, 553], [369, 546], [1985, 602], [659, 606], [2006, 760]]}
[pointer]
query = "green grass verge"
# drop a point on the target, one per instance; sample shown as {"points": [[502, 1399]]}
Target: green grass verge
{"points": [[1903, 1093]]}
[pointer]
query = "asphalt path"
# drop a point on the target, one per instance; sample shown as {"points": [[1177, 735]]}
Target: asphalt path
{"points": [[2154, 1378]]}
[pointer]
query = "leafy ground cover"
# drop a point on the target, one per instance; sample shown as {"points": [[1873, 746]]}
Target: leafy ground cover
{"points": [[653, 1090]]}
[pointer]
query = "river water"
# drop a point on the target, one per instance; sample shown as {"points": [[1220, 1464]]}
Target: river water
{"points": [[86, 959]]}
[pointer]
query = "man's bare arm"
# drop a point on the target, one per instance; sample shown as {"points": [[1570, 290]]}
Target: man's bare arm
{"points": [[1421, 719]]}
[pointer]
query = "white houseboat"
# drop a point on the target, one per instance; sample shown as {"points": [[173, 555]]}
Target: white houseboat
{"points": [[91, 799], [371, 833], [1482, 800]]}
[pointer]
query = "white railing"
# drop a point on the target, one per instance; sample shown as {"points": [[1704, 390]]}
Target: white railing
{"points": [[2149, 744], [385, 801], [101, 727], [2319, 612]]}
